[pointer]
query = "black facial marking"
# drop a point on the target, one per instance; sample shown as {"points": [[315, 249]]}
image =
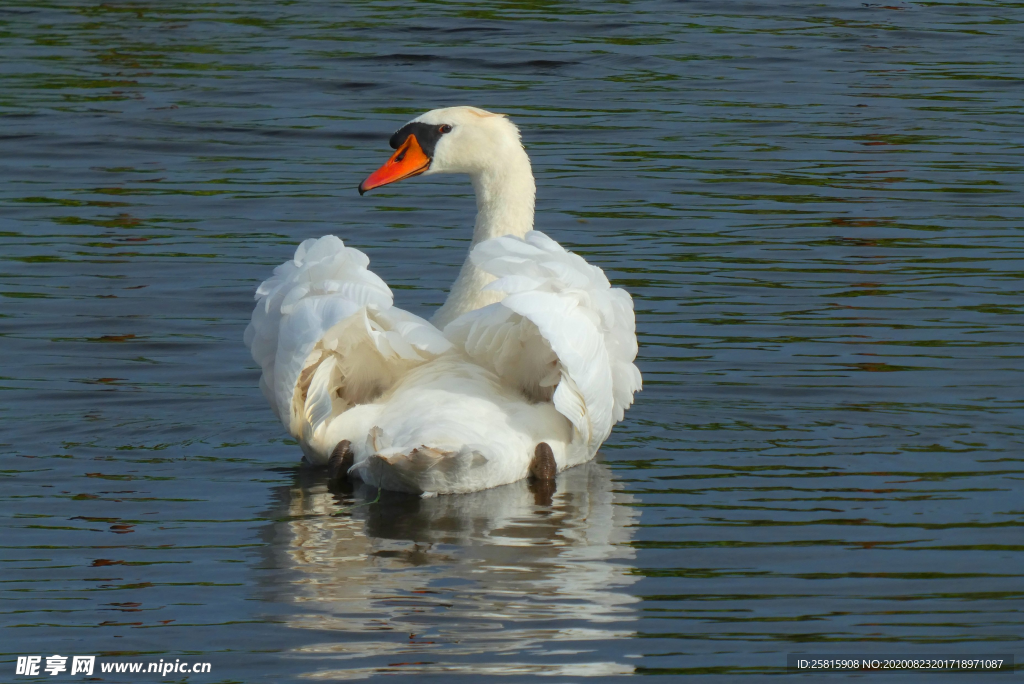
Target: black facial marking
{"points": [[426, 134]]}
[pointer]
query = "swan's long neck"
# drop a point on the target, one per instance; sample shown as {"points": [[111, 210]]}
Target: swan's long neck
{"points": [[505, 195]]}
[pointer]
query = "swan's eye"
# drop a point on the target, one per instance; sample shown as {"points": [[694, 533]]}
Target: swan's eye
{"points": [[445, 128]]}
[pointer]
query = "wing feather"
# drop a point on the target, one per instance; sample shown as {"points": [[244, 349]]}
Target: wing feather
{"points": [[560, 323], [318, 405], [327, 336]]}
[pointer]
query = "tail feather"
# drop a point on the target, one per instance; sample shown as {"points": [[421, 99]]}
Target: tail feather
{"points": [[420, 469]]}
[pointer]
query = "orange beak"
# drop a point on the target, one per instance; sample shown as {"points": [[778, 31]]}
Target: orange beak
{"points": [[407, 161]]}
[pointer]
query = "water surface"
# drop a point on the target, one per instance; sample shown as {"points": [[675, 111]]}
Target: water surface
{"points": [[817, 209]]}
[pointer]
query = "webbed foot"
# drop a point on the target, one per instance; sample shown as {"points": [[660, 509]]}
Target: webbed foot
{"points": [[340, 461], [542, 474]]}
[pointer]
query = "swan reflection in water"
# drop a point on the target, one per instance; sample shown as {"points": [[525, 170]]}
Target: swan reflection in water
{"points": [[496, 582]]}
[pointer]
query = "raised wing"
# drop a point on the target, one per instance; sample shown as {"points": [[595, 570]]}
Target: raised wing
{"points": [[561, 333], [327, 336]]}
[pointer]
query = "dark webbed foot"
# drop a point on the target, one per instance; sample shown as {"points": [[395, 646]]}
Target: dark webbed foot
{"points": [[543, 467], [339, 463], [542, 474]]}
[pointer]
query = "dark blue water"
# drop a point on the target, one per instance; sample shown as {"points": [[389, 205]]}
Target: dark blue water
{"points": [[817, 209]]}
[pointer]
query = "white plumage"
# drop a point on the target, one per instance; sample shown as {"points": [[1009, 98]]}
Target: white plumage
{"points": [[535, 345]]}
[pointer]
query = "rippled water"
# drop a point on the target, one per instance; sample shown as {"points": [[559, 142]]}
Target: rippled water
{"points": [[817, 209]]}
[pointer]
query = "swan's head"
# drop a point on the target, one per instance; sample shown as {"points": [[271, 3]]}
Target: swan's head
{"points": [[450, 140]]}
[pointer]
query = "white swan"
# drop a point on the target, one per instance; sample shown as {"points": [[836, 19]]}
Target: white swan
{"points": [[533, 347]]}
